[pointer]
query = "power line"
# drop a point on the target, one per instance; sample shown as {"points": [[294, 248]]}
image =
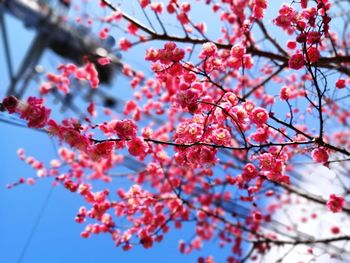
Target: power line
{"points": [[17, 122], [36, 224], [40, 215]]}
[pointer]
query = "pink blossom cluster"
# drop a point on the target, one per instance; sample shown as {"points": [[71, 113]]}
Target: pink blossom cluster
{"points": [[62, 81], [258, 8], [335, 203], [33, 110]]}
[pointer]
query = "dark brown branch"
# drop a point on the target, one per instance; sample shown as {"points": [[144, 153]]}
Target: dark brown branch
{"points": [[304, 242], [308, 196], [186, 145], [325, 62], [265, 81]]}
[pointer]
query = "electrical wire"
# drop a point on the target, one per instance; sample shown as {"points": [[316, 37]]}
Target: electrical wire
{"points": [[36, 225], [39, 217], [18, 123]]}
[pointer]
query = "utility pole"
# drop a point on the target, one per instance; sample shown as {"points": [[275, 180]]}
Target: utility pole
{"points": [[52, 32]]}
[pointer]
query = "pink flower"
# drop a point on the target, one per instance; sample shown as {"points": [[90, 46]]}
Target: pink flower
{"points": [[206, 155], [313, 37], [221, 136], [283, 21], [291, 44], [187, 97], [137, 147], [340, 84], [232, 98], [257, 216], [177, 54], [249, 172], [132, 28], [144, 3], [91, 109], [313, 54], [37, 116], [303, 3], [185, 7], [285, 93], [92, 75], [260, 116], [183, 18], [47, 86], [104, 61], [171, 8], [234, 62], [10, 104], [157, 7], [74, 138], [296, 61], [169, 46], [103, 149], [125, 129], [260, 3], [30, 181], [147, 242], [152, 54], [238, 51], [166, 54], [200, 155], [53, 128], [261, 135], [335, 230], [201, 27], [34, 112], [286, 16], [258, 12], [258, 8], [248, 61], [208, 49], [130, 106], [267, 161], [335, 203], [320, 155], [103, 33], [124, 44], [249, 106]]}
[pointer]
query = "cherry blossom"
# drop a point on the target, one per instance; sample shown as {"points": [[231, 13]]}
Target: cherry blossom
{"points": [[217, 130], [335, 203]]}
